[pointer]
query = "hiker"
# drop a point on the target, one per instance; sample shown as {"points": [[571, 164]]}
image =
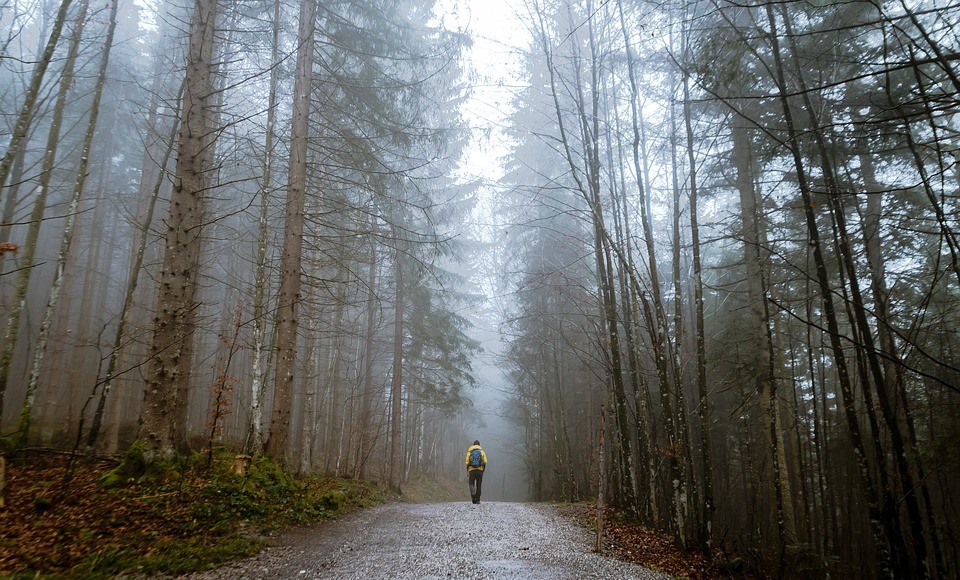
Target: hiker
{"points": [[476, 462]]}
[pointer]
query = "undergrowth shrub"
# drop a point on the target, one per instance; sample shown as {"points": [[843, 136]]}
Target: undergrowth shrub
{"points": [[216, 513]]}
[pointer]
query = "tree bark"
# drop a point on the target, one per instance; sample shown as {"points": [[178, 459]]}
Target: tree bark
{"points": [[22, 126], [396, 380], [176, 303], [288, 300], [762, 365], [900, 459], [653, 307], [133, 277], [366, 380], [36, 220], [254, 440], [893, 371]]}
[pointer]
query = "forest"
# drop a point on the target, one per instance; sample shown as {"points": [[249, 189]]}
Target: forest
{"points": [[719, 247]]}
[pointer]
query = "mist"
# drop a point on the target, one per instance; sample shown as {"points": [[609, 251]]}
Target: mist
{"points": [[352, 237]]}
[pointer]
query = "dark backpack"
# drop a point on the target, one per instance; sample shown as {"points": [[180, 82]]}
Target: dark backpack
{"points": [[476, 458]]}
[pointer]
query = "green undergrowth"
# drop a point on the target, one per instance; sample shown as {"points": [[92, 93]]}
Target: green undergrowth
{"points": [[238, 511], [169, 518]]}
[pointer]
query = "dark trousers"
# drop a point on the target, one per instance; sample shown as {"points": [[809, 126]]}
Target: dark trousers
{"points": [[476, 481]]}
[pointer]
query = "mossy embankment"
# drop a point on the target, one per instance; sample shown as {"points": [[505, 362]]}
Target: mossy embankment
{"points": [[111, 517]]}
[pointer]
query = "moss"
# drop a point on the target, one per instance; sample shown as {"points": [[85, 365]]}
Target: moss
{"points": [[140, 465], [332, 500]]}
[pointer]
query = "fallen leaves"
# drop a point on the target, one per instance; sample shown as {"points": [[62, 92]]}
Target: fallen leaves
{"points": [[640, 545], [46, 527]]}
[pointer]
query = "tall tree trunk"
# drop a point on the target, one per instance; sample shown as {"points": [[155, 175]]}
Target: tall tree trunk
{"points": [[336, 409], [642, 463], [901, 458], [158, 144], [826, 491], [654, 310], [68, 366], [254, 440], [22, 126], [15, 178], [133, 277], [366, 379], [308, 424], [36, 220], [176, 304], [589, 187], [690, 496], [707, 508], [396, 379], [762, 365], [893, 371], [288, 300]]}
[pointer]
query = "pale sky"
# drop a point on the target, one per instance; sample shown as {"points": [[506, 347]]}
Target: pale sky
{"points": [[498, 37]]}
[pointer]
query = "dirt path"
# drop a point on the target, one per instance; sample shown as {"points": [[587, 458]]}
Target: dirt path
{"points": [[447, 540]]}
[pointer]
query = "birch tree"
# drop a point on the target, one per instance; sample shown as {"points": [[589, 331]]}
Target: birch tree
{"points": [[73, 210], [20, 131], [260, 283]]}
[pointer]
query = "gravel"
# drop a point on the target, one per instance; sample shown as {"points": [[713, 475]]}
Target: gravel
{"points": [[444, 540]]}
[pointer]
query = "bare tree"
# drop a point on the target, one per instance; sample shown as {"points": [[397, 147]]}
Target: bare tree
{"points": [[708, 506], [13, 152], [72, 212]]}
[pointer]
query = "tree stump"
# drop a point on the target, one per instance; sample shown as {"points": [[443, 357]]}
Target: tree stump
{"points": [[241, 464]]}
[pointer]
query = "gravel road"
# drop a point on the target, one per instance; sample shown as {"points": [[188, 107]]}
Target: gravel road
{"points": [[444, 540]]}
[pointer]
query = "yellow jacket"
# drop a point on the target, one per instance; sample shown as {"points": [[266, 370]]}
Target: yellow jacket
{"points": [[483, 459]]}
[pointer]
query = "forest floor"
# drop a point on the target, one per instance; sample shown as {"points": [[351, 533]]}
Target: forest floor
{"points": [[204, 519], [194, 517], [654, 549]]}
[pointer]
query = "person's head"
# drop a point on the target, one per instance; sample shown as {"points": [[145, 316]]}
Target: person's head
{"points": [[477, 442]]}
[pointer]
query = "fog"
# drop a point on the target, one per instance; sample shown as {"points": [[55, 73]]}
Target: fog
{"points": [[343, 235], [494, 62], [505, 478]]}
